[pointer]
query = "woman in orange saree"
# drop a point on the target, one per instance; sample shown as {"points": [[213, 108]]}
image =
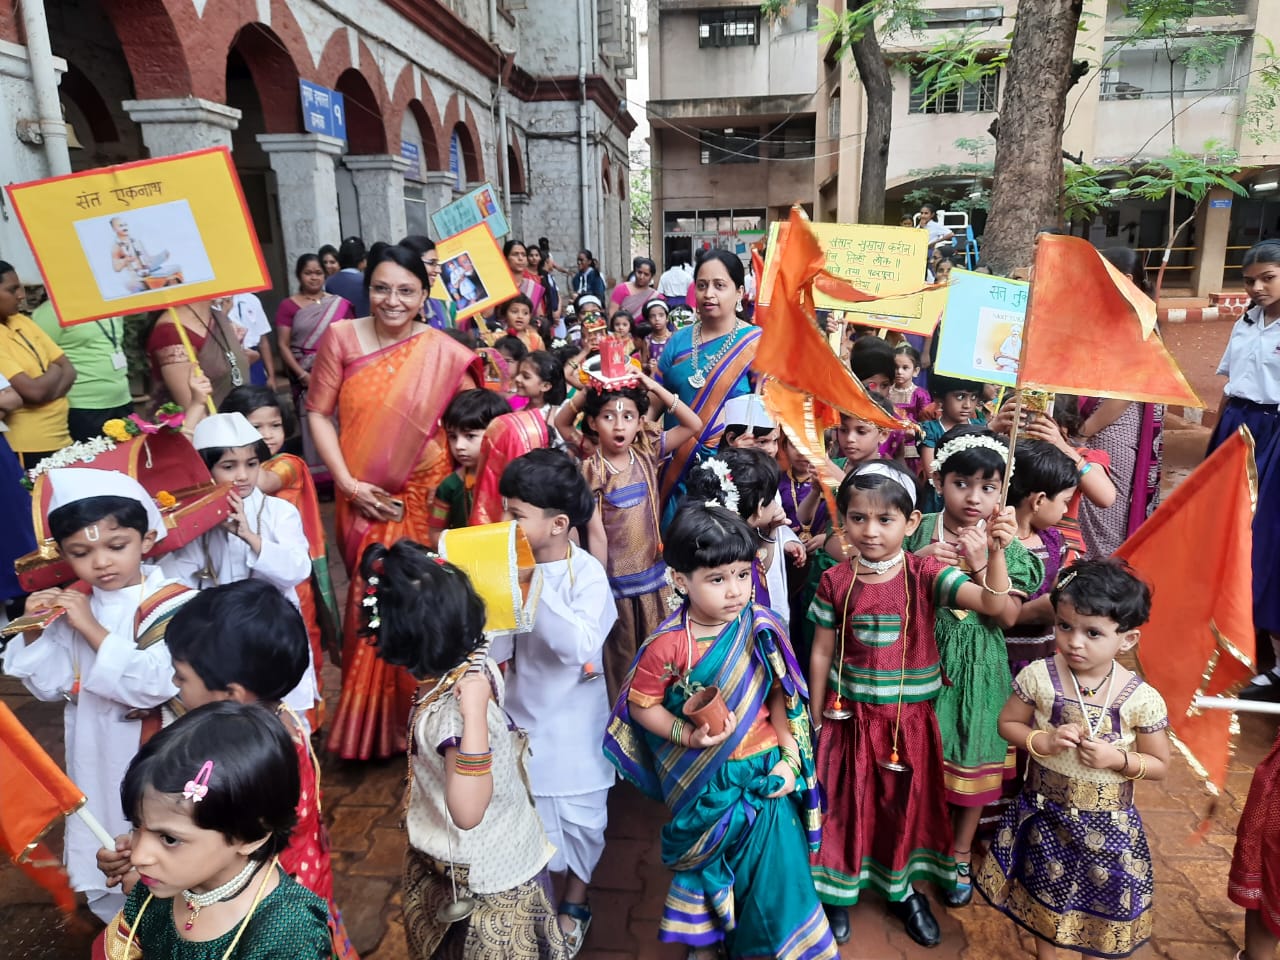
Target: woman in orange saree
{"points": [[388, 378]]}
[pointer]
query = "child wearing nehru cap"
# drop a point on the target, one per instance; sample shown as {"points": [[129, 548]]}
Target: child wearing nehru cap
{"points": [[105, 654], [262, 539]]}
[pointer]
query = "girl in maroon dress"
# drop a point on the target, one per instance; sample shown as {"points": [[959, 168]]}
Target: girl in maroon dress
{"points": [[1255, 866], [879, 752]]}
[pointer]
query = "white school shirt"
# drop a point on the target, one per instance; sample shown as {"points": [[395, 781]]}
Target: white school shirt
{"points": [[100, 742], [564, 714], [246, 310], [284, 562], [1251, 362]]}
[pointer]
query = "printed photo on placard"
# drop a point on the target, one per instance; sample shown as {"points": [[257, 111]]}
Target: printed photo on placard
{"points": [[462, 282], [152, 247], [474, 271]]}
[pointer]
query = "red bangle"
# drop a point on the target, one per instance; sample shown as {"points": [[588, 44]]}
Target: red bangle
{"points": [[355, 489]]}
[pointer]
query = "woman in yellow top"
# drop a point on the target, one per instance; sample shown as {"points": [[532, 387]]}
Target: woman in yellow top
{"points": [[38, 371]]}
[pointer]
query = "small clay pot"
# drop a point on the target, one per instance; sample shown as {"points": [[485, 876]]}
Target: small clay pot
{"points": [[707, 708]]}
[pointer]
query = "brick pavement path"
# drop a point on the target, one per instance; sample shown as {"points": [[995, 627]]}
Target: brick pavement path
{"points": [[1193, 918]]}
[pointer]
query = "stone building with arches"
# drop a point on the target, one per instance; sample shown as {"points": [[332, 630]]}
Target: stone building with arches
{"points": [[440, 96]]}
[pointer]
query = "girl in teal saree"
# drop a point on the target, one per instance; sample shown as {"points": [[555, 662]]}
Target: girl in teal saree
{"points": [[744, 799]]}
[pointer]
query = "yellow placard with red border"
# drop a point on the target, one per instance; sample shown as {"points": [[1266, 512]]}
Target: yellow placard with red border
{"points": [[140, 236], [886, 261], [474, 271]]}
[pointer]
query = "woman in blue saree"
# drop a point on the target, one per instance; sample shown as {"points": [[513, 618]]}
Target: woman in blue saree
{"points": [[744, 800], [707, 364]]}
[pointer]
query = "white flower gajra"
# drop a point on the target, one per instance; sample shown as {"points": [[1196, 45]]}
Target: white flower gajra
{"points": [[86, 451], [727, 488], [971, 442]]}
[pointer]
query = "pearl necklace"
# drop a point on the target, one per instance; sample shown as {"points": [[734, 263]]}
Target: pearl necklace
{"points": [[232, 888], [698, 379], [882, 566]]}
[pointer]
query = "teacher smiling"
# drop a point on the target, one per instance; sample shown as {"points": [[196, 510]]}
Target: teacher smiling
{"points": [[388, 377]]}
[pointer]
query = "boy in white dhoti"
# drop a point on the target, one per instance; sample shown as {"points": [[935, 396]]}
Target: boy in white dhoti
{"points": [[105, 655], [262, 539], [555, 688]]}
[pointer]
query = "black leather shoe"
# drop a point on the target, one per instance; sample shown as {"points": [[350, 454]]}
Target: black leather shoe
{"points": [[916, 916], [838, 918], [1268, 692], [962, 893]]}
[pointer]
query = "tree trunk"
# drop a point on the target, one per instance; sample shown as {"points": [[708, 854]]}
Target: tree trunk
{"points": [[873, 71], [1028, 174]]}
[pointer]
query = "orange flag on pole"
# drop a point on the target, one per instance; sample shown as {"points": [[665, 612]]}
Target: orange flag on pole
{"points": [[1200, 639], [791, 349], [34, 794], [1089, 330]]}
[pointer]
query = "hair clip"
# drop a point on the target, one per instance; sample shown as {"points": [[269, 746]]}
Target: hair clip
{"points": [[1065, 579], [197, 788]]}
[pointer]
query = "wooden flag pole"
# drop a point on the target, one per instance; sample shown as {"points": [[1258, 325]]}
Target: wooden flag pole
{"points": [[191, 356], [1017, 394]]}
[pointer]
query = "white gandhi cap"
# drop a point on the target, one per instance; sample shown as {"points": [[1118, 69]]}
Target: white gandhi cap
{"points": [[224, 430], [72, 484], [748, 411]]}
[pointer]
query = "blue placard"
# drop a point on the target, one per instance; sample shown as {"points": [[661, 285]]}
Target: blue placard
{"points": [[980, 337], [1221, 204], [410, 152], [323, 110], [478, 206]]}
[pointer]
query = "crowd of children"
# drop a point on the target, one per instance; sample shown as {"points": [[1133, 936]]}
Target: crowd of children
{"points": [[825, 700]]}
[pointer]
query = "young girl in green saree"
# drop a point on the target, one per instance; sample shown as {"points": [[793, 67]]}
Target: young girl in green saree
{"points": [[743, 798]]}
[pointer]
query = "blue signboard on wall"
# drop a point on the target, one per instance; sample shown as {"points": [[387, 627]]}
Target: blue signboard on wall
{"points": [[410, 152], [323, 110]]}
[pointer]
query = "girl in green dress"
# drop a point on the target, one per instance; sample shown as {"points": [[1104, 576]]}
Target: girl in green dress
{"points": [[969, 469], [212, 801]]}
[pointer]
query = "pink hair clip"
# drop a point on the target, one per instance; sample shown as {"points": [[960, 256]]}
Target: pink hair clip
{"points": [[197, 788]]}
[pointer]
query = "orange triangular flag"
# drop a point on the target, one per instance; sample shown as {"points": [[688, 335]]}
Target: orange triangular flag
{"points": [[791, 348], [1090, 331], [34, 793], [804, 421], [1200, 640]]}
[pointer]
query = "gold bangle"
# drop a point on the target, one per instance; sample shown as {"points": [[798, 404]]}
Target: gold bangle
{"points": [[998, 593], [1142, 768], [1031, 749]]}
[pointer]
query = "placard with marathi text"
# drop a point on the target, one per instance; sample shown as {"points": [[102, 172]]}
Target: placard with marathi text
{"points": [[141, 236]]}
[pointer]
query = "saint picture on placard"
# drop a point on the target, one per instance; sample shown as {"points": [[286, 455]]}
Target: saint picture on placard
{"points": [[999, 341], [462, 281], [144, 249]]}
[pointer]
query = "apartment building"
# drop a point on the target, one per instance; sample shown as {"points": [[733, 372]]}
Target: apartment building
{"points": [[732, 108], [1135, 102]]}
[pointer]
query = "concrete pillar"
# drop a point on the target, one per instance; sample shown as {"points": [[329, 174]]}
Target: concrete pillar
{"points": [[379, 182], [1213, 227], [308, 196], [182, 124], [437, 190], [519, 207], [22, 156]]}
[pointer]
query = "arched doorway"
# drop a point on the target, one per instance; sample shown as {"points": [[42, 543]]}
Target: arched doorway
{"points": [[262, 83], [366, 136]]}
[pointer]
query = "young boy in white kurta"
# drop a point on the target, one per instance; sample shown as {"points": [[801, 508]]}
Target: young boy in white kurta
{"points": [[555, 687], [110, 668], [262, 539]]}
